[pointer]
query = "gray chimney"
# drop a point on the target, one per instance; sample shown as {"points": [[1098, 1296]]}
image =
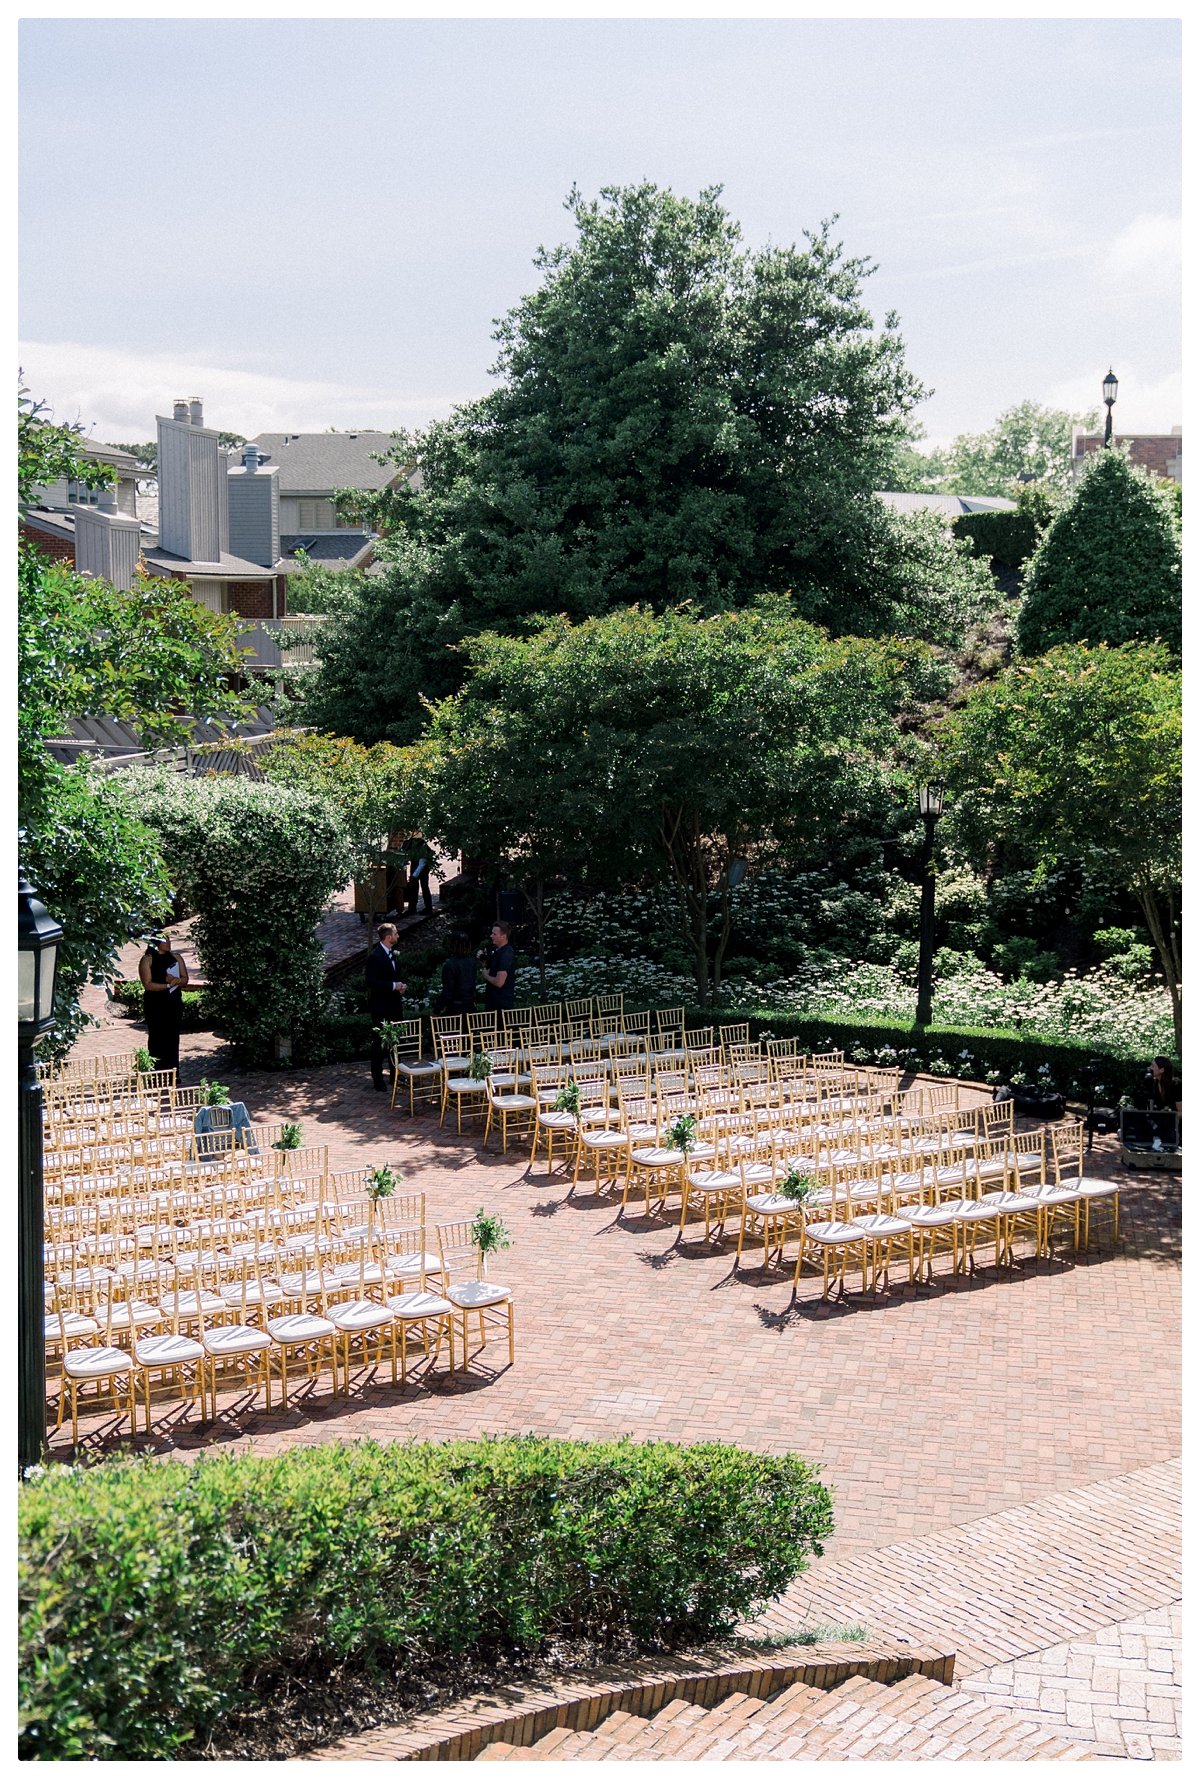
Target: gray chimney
{"points": [[193, 514], [196, 409], [107, 542], [254, 509]]}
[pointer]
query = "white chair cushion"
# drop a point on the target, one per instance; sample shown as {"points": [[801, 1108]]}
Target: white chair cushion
{"points": [[1096, 1188], [931, 1216], [361, 1314], [295, 1330], [91, 1362], [657, 1157], [196, 1303], [415, 1305], [77, 1326], [834, 1233], [409, 1266], [514, 1102], [225, 1342], [168, 1349], [878, 1223], [414, 1069]]}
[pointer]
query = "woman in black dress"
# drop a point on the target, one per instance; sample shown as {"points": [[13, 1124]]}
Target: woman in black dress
{"points": [[458, 977], [164, 977]]}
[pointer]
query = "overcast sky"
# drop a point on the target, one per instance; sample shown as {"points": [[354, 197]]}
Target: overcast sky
{"points": [[315, 224]]}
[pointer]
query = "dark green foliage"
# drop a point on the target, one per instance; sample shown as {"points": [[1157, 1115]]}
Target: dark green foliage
{"points": [[1007, 539], [677, 419], [990, 1050], [158, 1598], [197, 1015], [258, 862], [1109, 568]]}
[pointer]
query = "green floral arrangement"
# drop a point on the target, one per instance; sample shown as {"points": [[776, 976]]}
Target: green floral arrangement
{"points": [[489, 1233], [480, 1066], [382, 1183], [682, 1134], [291, 1137], [143, 1062], [390, 1034], [568, 1100], [213, 1093], [796, 1186]]}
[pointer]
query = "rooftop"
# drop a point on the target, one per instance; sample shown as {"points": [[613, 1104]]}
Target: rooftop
{"points": [[318, 462]]}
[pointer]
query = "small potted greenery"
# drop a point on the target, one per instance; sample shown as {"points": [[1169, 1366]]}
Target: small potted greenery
{"points": [[682, 1134], [381, 1184], [291, 1137], [143, 1062], [390, 1035], [480, 1066], [796, 1186], [213, 1093], [569, 1100], [489, 1235]]}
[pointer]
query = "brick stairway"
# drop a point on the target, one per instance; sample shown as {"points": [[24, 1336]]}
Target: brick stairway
{"points": [[913, 1719]]}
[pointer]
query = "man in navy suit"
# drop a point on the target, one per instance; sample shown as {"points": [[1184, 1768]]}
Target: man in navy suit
{"points": [[383, 989]]}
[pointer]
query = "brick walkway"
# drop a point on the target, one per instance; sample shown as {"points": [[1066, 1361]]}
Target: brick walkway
{"points": [[1066, 1608], [928, 1412]]}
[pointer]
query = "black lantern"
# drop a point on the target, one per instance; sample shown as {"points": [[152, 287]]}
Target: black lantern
{"points": [[931, 802], [930, 798], [1110, 395], [38, 939]]}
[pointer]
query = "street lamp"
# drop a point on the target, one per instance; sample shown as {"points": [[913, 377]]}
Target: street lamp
{"points": [[930, 801], [38, 938], [1110, 395]]}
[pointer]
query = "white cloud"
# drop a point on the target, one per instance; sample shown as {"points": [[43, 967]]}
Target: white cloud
{"points": [[1146, 255], [116, 394], [1143, 404]]}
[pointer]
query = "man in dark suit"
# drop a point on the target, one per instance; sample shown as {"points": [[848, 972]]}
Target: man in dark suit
{"points": [[383, 988]]}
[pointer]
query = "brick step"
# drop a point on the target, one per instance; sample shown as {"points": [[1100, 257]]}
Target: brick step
{"points": [[914, 1719]]}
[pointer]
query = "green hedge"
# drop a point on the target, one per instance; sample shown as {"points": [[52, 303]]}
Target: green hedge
{"points": [[1007, 538], [938, 1049], [156, 1599], [197, 1016]]}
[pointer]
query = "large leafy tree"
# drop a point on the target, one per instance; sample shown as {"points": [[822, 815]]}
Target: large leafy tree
{"points": [[1076, 757], [669, 744], [85, 648], [1108, 567], [676, 418]]}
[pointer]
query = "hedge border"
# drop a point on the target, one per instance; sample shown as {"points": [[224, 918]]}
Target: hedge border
{"points": [[992, 1049]]}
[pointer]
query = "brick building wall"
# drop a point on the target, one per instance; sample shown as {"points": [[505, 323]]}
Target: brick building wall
{"points": [[259, 599], [1159, 452], [59, 549]]}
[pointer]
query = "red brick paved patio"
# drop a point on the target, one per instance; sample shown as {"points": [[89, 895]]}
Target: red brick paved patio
{"points": [[926, 1411]]}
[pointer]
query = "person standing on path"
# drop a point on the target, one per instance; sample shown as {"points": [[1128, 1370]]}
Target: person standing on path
{"points": [[500, 969], [163, 976], [418, 876], [383, 987]]}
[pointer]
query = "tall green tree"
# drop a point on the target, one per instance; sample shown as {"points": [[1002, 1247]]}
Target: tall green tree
{"points": [[1077, 756], [676, 418], [1108, 567], [672, 745], [85, 648]]}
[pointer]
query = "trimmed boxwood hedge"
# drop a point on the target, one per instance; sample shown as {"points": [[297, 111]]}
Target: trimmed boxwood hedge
{"points": [[989, 1049], [158, 1598], [196, 1014]]}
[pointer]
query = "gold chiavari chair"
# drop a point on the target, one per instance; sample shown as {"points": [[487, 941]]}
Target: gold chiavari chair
{"points": [[234, 1345], [470, 1291], [418, 1308], [421, 1074], [733, 1035], [506, 1103], [98, 1363], [451, 1046], [483, 1031], [303, 1334], [178, 1362], [363, 1321], [1066, 1142]]}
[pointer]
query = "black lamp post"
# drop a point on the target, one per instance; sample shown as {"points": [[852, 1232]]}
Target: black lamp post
{"points": [[38, 938], [1110, 395], [930, 802]]}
